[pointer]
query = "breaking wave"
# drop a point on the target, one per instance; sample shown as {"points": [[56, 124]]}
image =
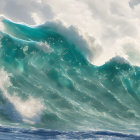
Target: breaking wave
{"points": [[47, 81]]}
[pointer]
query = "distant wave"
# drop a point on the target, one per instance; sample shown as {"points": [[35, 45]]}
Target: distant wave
{"points": [[47, 81]]}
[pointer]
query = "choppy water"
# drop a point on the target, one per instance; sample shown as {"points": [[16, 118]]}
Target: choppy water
{"points": [[46, 81], [41, 134]]}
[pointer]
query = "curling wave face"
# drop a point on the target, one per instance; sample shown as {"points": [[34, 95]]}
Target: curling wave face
{"points": [[46, 81]]}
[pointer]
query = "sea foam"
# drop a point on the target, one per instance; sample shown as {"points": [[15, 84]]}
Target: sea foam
{"points": [[30, 109]]}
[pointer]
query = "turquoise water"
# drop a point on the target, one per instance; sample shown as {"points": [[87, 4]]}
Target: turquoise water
{"points": [[46, 81]]}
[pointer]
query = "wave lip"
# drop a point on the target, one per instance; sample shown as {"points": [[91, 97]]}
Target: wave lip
{"points": [[1, 23], [95, 53]]}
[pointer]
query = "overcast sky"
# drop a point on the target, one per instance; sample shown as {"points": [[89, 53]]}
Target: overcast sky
{"points": [[115, 24]]}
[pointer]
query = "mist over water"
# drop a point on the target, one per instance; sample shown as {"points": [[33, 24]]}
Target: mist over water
{"points": [[48, 81]]}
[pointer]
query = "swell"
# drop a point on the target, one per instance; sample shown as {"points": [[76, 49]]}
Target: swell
{"points": [[51, 84]]}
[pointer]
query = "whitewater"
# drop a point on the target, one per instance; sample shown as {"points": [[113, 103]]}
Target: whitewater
{"points": [[51, 87]]}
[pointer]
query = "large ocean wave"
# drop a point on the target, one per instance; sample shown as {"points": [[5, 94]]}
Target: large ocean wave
{"points": [[47, 81]]}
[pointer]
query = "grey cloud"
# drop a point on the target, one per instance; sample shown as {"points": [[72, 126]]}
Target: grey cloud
{"points": [[114, 18], [22, 10], [133, 3]]}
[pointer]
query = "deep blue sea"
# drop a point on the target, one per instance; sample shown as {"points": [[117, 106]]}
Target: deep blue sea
{"points": [[50, 90], [42, 134]]}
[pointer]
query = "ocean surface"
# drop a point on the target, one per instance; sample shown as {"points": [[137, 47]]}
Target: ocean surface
{"points": [[50, 90]]}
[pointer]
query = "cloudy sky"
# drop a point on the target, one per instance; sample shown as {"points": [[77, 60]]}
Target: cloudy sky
{"points": [[114, 24]]}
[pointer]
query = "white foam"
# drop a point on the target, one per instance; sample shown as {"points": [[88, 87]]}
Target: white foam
{"points": [[30, 109], [36, 18], [25, 49], [44, 46]]}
